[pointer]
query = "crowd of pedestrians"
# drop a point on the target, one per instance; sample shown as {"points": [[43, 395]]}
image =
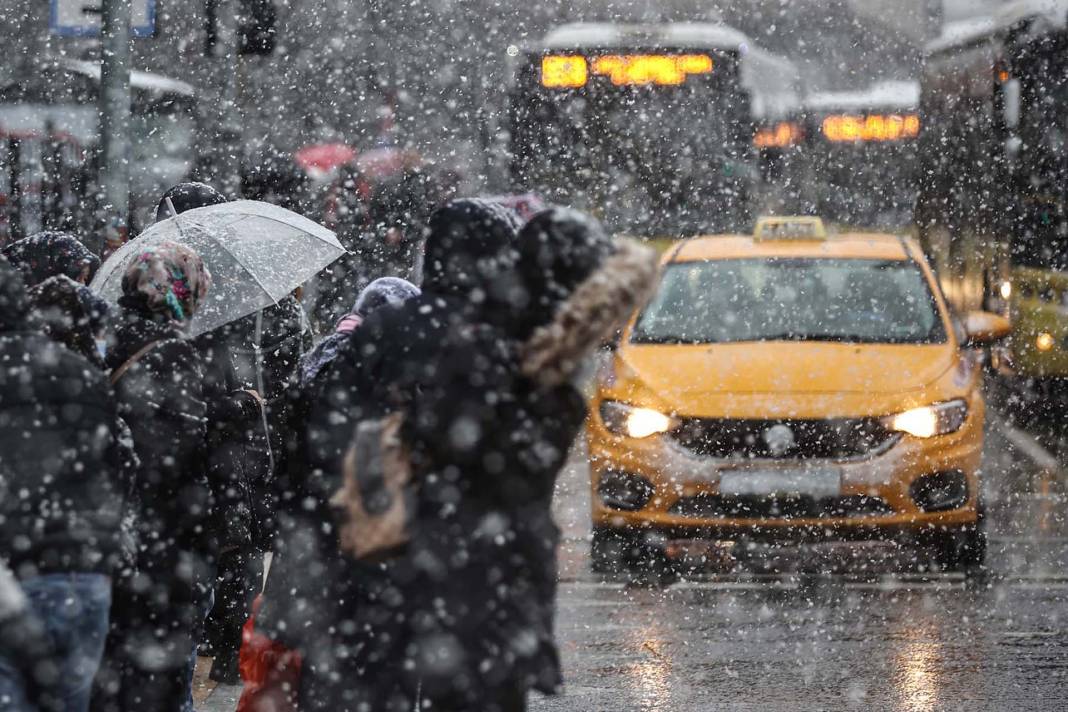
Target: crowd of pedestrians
{"points": [[398, 468]]}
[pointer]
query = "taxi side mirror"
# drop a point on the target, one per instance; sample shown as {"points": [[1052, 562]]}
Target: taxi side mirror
{"points": [[982, 328], [611, 342]]}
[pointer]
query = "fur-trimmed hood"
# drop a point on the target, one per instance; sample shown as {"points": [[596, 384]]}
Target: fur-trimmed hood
{"points": [[595, 309]]}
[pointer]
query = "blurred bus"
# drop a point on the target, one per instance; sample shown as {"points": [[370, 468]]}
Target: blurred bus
{"points": [[649, 127], [859, 155], [49, 137], [993, 208]]}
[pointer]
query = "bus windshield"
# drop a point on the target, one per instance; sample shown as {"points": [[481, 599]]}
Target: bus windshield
{"points": [[645, 147]]}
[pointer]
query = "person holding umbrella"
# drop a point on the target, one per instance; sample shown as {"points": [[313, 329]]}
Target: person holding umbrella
{"points": [[258, 352], [158, 379], [259, 254]]}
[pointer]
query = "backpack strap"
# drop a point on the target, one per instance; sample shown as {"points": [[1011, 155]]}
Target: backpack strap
{"points": [[130, 362]]}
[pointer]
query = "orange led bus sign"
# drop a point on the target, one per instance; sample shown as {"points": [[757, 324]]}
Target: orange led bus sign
{"points": [[571, 71], [625, 70], [563, 71], [842, 128], [784, 133]]}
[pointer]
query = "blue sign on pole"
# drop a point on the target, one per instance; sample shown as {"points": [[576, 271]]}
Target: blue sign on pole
{"points": [[82, 18]]}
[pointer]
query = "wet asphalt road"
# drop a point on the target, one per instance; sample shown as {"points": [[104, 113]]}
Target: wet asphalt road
{"points": [[855, 640]]}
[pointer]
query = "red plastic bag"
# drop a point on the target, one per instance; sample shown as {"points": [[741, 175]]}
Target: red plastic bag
{"points": [[270, 671]]}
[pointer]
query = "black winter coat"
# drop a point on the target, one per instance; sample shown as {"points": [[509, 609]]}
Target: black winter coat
{"points": [[315, 599], [480, 574], [488, 464], [242, 447], [162, 399], [309, 584], [61, 489], [182, 504]]}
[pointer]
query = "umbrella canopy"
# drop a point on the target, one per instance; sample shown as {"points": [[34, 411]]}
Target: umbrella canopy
{"points": [[386, 162], [257, 254], [323, 158]]}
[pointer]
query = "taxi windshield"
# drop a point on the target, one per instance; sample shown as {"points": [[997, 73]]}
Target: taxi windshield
{"points": [[846, 300]]}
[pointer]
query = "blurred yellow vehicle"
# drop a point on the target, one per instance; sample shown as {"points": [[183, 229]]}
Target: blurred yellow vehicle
{"points": [[791, 385]]}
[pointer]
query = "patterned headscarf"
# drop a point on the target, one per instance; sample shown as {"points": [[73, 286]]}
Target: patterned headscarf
{"points": [[167, 280], [48, 254]]}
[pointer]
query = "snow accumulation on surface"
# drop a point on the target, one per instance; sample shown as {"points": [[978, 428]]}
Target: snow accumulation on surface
{"points": [[702, 35], [961, 32], [1055, 12], [884, 95], [1052, 10], [138, 80]]}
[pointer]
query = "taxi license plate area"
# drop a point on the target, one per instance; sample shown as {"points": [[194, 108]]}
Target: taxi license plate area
{"points": [[812, 482]]}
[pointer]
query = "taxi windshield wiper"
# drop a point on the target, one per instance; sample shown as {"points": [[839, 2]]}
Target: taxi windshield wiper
{"points": [[797, 336], [665, 339], [839, 338]]}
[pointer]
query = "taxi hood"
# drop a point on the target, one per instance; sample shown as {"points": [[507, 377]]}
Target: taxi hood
{"points": [[681, 373]]}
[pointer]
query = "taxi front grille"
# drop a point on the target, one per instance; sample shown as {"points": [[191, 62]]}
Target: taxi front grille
{"points": [[714, 506], [836, 439]]}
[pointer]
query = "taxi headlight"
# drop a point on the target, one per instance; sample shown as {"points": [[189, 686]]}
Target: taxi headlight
{"points": [[623, 419], [929, 420]]}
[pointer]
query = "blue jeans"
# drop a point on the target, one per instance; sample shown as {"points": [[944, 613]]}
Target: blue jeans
{"points": [[74, 609], [191, 665]]}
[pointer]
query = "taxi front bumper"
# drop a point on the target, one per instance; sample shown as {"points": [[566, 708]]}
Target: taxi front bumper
{"points": [[877, 497]]}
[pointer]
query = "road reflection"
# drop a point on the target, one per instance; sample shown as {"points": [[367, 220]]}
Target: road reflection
{"points": [[915, 675], [650, 676]]}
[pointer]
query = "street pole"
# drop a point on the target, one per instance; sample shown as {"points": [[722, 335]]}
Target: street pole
{"points": [[115, 121], [226, 126]]}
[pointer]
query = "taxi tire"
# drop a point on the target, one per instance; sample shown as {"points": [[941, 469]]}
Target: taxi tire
{"points": [[961, 549], [612, 550], [640, 557]]}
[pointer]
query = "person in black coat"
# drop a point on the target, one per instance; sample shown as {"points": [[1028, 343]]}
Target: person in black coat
{"points": [[257, 356], [480, 366], [469, 616], [61, 490], [392, 291], [187, 196], [49, 254], [72, 315], [310, 588], [158, 377]]}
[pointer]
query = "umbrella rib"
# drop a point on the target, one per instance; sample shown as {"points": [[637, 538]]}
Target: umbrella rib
{"points": [[211, 234], [290, 225]]}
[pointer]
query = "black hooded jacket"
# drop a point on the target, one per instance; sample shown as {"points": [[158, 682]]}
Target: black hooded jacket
{"points": [[309, 585], [51, 253], [61, 489], [489, 433]]}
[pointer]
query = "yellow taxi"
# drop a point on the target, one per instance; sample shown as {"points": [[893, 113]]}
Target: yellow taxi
{"points": [[790, 385]]}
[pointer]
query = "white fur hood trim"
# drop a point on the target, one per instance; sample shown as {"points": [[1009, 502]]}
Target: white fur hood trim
{"points": [[595, 309]]}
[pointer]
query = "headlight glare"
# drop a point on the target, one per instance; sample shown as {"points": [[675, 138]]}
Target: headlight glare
{"points": [[929, 420], [622, 419]]}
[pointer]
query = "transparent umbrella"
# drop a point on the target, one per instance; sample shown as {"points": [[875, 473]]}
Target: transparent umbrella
{"points": [[257, 254]]}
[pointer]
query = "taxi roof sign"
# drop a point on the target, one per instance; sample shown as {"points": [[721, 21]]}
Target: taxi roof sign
{"points": [[795, 227]]}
